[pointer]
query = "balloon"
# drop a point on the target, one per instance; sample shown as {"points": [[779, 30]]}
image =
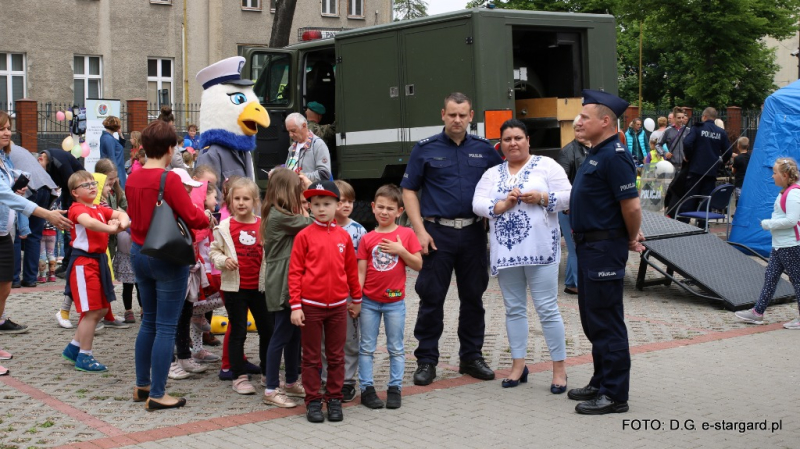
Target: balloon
{"points": [[60, 116], [68, 115], [190, 150], [85, 149], [649, 124], [76, 150], [67, 144]]}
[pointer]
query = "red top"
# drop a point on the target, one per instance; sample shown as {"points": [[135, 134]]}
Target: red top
{"points": [[323, 269], [82, 238], [141, 189], [249, 252], [386, 273]]}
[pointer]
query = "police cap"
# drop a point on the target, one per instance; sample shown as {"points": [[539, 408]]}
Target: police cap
{"points": [[613, 102]]}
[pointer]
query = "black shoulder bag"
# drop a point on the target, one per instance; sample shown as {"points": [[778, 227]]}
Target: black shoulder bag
{"points": [[168, 238]]}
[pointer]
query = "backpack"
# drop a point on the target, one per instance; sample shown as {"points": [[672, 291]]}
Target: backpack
{"points": [[785, 195]]}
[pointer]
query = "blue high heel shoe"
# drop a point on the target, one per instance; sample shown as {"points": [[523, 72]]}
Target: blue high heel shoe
{"points": [[508, 383], [559, 389]]}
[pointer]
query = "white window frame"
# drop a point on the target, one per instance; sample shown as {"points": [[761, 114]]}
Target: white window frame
{"points": [[254, 5], [159, 79], [273, 6], [9, 73], [324, 4], [351, 6], [86, 77], [161, 2]]}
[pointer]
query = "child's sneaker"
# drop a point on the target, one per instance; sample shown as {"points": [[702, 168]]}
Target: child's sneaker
{"points": [[176, 372], [278, 398], [204, 356], [116, 324], [191, 366], [225, 374], [5, 355], [87, 363], [71, 352], [750, 316], [242, 385], [314, 411], [251, 368], [335, 410], [295, 390], [41, 279], [130, 318], [794, 324], [370, 399], [348, 392], [200, 323], [393, 397], [51, 276], [63, 319]]}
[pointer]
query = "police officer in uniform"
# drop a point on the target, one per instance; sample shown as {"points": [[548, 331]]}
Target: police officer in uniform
{"points": [[705, 147], [447, 167], [605, 216]]}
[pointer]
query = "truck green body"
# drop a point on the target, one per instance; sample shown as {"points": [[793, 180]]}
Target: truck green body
{"points": [[384, 85]]}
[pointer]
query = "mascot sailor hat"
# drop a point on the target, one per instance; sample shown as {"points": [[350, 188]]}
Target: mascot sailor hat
{"points": [[230, 114]]}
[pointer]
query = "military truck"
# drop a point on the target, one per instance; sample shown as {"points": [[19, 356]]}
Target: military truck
{"points": [[384, 85]]}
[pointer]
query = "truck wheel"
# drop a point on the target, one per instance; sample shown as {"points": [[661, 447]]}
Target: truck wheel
{"points": [[362, 213]]}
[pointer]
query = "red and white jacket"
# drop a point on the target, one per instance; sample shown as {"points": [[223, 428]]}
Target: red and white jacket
{"points": [[323, 270]]}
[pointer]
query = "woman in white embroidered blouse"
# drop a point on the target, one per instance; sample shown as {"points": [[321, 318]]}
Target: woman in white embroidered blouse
{"points": [[521, 198]]}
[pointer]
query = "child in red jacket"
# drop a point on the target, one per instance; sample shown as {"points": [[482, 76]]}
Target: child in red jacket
{"points": [[323, 272]]}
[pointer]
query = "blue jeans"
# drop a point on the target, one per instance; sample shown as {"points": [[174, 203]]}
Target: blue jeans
{"points": [[543, 283], [394, 322], [570, 274], [163, 290]]}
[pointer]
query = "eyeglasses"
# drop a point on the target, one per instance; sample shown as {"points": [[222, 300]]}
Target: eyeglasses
{"points": [[87, 185]]}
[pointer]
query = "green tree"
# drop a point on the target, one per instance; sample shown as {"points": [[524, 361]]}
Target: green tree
{"points": [[695, 52], [410, 9]]}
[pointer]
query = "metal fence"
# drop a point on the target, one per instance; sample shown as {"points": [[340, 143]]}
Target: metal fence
{"points": [[185, 114], [52, 131]]}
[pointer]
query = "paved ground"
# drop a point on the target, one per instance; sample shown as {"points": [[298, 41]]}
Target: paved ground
{"points": [[693, 364]]}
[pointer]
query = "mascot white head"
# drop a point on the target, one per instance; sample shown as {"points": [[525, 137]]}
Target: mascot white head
{"points": [[229, 111]]}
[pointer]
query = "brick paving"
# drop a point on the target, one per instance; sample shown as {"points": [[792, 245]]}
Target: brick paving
{"points": [[691, 360]]}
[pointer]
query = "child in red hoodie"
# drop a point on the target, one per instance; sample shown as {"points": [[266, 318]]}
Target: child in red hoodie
{"points": [[323, 272]]}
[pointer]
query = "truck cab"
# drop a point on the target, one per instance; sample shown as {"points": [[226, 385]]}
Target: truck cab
{"points": [[384, 85]]}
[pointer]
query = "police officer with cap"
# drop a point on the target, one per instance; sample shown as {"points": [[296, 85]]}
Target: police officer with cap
{"points": [[605, 216], [447, 167], [705, 147]]}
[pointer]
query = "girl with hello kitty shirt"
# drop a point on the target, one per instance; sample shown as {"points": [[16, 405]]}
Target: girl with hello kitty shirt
{"points": [[238, 252]]}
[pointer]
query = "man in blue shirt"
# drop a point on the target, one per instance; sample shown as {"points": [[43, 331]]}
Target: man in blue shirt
{"points": [[447, 167], [605, 216]]}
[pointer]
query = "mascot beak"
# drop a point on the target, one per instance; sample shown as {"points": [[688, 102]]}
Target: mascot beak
{"points": [[254, 114]]}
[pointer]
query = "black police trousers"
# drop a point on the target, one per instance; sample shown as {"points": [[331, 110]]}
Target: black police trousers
{"points": [[462, 250], [601, 270]]}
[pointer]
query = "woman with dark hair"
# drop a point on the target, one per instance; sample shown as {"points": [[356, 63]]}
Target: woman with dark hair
{"points": [[162, 284], [166, 115], [521, 198], [113, 148], [10, 203]]}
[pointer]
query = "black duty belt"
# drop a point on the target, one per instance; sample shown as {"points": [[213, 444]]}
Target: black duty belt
{"points": [[596, 236]]}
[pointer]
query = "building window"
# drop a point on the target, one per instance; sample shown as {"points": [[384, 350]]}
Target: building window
{"points": [[87, 78], [163, 2], [251, 5], [355, 8], [159, 81], [273, 5], [12, 79], [330, 7]]}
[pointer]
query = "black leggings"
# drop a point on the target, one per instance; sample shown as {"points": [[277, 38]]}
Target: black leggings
{"points": [[127, 296], [183, 341]]}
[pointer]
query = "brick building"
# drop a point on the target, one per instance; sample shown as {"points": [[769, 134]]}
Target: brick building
{"points": [[70, 50]]}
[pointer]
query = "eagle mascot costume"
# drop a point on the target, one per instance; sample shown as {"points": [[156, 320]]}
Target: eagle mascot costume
{"points": [[230, 114]]}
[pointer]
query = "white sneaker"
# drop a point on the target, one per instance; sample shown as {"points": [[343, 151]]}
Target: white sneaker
{"points": [[794, 324], [191, 366], [99, 328], [750, 316], [203, 356], [176, 372], [63, 319], [118, 323]]}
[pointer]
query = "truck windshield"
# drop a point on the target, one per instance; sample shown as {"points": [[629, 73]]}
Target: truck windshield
{"points": [[271, 72]]}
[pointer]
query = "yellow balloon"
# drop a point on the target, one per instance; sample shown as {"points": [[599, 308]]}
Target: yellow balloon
{"points": [[67, 144], [68, 115]]}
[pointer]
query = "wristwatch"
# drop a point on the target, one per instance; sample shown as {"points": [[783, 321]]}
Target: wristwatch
{"points": [[542, 200]]}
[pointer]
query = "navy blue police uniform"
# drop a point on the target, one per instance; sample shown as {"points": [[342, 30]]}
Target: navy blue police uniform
{"points": [[447, 175], [605, 178], [703, 147]]}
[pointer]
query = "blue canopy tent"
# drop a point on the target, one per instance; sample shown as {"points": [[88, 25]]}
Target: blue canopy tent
{"points": [[778, 135]]}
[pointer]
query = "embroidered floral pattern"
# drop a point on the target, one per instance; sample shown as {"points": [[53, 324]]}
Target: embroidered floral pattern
{"points": [[512, 228]]}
